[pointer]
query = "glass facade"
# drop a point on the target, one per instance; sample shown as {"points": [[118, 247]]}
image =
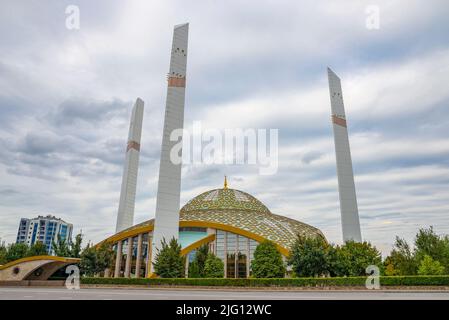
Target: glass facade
{"points": [[220, 241], [242, 257], [236, 251], [252, 247], [187, 236]]}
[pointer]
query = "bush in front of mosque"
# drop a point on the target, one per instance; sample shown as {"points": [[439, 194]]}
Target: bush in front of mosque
{"points": [[267, 261], [169, 263], [213, 267]]}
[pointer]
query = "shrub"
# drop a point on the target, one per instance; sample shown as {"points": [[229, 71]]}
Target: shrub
{"points": [[273, 282], [267, 262], [169, 263], [429, 266], [194, 270], [95, 259], [213, 267], [427, 242], [354, 257], [196, 267], [308, 256]]}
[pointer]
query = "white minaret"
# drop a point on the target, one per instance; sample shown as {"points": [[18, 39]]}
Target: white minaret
{"points": [[166, 223], [125, 216], [346, 187]]}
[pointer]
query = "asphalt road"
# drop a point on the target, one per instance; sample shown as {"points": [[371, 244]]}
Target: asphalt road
{"points": [[30, 293]]}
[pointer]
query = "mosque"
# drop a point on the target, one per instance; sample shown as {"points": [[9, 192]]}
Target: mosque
{"points": [[231, 222]]}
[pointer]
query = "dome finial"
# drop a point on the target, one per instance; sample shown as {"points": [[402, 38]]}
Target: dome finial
{"points": [[226, 183]]}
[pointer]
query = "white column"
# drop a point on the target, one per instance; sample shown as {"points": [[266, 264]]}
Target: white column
{"points": [[125, 215], [226, 254], [139, 255], [129, 254], [149, 252], [166, 223], [187, 266], [248, 261], [346, 188], [118, 259], [236, 257]]}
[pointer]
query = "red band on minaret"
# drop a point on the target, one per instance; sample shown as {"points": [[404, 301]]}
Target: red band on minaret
{"points": [[177, 82], [133, 145], [339, 121]]}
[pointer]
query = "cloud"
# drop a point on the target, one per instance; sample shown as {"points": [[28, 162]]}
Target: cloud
{"points": [[72, 111]]}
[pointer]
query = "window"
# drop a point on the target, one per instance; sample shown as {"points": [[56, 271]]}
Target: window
{"points": [[220, 244], [230, 265], [252, 247], [241, 265]]}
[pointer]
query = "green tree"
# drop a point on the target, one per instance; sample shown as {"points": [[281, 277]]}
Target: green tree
{"points": [[88, 263], [37, 249], [427, 242], [355, 257], [196, 267], [95, 259], [213, 267], [168, 262], [3, 252], [67, 248], [401, 259], [267, 262], [75, 247], [200, 257], [194, 270], [309, 256], [428, 266], [104, 257], [389, 268], [16, 251], [61, 247], [337, 261]]}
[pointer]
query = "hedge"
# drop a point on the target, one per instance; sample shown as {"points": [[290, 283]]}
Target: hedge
{"points": [[278, 282]]}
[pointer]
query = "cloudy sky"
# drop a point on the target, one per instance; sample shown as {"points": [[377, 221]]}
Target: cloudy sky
{"points": [[66, 97]]}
